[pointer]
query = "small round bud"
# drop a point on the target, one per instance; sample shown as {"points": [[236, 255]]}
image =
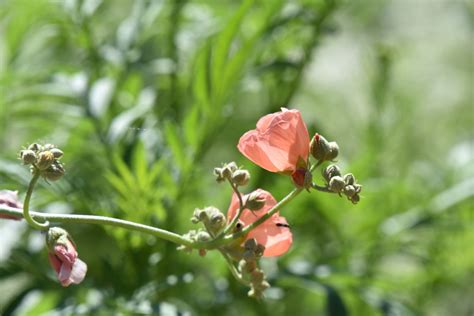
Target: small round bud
{"points": [[241, 177], [28, 156], [323, 150], [54, 172], [202, 236], [218, 174], [331, 171], [48, 146], [228, 169], [35, 147], [357, 187], [57, 153], [336, 184], [333, 151], [255, 201], [355, 198], [319, 147], [45, 160], [349, 179], [349, 191]]}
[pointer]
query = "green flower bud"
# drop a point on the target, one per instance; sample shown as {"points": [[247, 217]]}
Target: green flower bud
{"points": [[319, 147], [203, 236], [349, 179], [331, 171], [28, 156], [54, 172], [355, 199], [228, 169], [218, 174], [323, 150], [349, 191], [336, 184], [241, 177], [45, 160], [255, 201], [35, 147], [57, 153], [333, 151]]}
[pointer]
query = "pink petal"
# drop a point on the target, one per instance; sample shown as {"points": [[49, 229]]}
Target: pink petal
{"points": [[65, 274], [79, 270], [277, 239], [278, 142]]}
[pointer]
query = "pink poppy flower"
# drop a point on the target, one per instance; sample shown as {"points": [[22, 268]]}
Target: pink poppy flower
{"points": [[69, 268], [10, 198], [280, 143], [274, 233]]}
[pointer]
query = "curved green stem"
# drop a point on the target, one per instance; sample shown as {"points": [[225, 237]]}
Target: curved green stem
{"points": [[26, 204], [104, 220]]}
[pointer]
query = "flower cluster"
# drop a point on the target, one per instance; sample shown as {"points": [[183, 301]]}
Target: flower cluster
{"points": [[252, 228], [340, 184], [45, 160]]}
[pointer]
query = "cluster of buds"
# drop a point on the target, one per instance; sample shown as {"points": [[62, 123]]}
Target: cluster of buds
{"points": [[230, 171], [45, 160], [199, 235], [249, 268], [340, 184], [211, 217], [323, 150]]}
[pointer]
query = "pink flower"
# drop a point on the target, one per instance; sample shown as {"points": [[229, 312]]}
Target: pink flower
{"points": [[274, 233], [69, 268], [280, 143], [10, 199]]}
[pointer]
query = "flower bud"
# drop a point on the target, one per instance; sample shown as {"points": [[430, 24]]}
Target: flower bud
{"points": [[28, 156], [323, 150], [331, 171], [203, 236], [349, 191], [10, 199], [355, 198], [57, 153], [64, 258], [218, 175], [254, 201], [54, 172], [228, 169], [35, 147], [336, 184], [349, 179], [241, 177], [333, 151], [319, 147], [45, 160]]}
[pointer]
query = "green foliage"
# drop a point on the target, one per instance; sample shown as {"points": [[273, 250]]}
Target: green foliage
{"points": [[146, 97]]}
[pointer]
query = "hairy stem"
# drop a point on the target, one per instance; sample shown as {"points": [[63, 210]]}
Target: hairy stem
{"points": [[26, 204]]}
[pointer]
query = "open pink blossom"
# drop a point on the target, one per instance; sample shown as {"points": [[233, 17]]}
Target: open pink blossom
{"points": [[69, 268], [274, 233], [10, 199], [280, 143]]}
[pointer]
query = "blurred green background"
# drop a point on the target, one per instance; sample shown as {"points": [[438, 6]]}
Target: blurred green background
{"points": [[146, 97]]}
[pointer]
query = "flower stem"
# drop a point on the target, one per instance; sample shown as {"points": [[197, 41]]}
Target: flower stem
{"points": [[103, 220], [26, 204], [239, 213]]}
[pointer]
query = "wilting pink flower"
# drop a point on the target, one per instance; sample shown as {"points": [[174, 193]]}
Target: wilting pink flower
{"points": [[274, 233], [69, 268], [280, 143], [10, 198]]}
